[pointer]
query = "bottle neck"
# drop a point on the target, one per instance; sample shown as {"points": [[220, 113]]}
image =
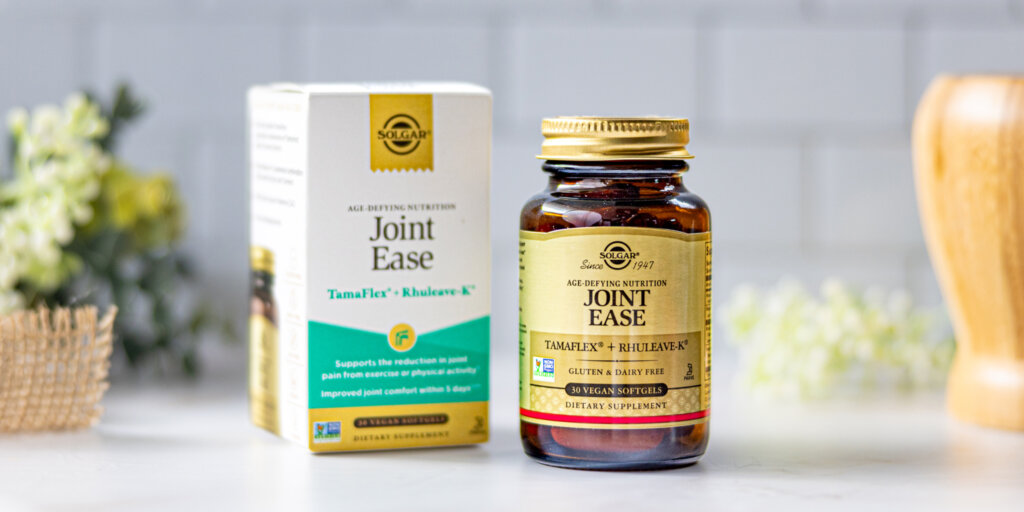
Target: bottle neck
{"points": [[635, 179]]}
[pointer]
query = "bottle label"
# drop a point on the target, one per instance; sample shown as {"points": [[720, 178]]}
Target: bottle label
{"points": [[263, 381], [614, 327]]}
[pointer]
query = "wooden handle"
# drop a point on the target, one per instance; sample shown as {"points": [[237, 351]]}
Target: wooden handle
{"points": [[969, 170]]}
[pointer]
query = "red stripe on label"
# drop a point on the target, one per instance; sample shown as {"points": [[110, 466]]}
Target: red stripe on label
{"points": [[610, 419]]}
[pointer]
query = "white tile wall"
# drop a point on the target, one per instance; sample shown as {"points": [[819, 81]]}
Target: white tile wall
{"points": [[890, 10], [568, 67], [407, 50], [800, 108], [982, 48], [37, 59], [806, 76], [752, 187], [191, 69], [765, 267], [921, 281], [863, 196]]}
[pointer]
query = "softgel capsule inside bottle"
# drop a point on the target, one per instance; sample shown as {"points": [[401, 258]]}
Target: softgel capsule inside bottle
{"points": [[615, 299]]}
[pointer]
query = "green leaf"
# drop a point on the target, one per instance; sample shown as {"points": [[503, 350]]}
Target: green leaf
{"points": [[125, 108], [116, 267], [190, 363]]}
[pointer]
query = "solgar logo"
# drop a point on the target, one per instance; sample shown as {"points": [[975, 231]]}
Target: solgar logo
{"points": [[617, 255], [402, 134]]}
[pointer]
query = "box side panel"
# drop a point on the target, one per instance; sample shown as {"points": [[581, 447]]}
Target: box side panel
{"points": [[278, 149]]}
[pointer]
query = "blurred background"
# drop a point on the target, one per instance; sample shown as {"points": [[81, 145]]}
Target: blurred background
{"points": [[800, 109]]}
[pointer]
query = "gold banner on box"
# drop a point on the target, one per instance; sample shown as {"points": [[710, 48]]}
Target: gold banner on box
{"points": [[401, 132], [397, 426]]}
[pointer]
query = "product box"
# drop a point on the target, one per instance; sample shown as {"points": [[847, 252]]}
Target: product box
{"points": [[370, 258]]}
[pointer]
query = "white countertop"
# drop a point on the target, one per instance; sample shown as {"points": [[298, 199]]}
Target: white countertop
{"points": [[190, 448]]}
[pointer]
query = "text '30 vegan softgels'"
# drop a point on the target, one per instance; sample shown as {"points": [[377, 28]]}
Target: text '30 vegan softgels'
{"points": [[615, 299]]}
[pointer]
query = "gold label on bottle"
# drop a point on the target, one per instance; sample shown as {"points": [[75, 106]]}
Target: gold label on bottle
{"points": [[401, 132], [263, 380], [614, 327]]}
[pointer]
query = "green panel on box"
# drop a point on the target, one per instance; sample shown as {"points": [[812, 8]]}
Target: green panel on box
{"points": [[357, 368]]}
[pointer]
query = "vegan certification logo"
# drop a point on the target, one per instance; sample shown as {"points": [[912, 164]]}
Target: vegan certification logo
{"points": [[617, 255], [544, 369], [401, 132], [326, 431]]}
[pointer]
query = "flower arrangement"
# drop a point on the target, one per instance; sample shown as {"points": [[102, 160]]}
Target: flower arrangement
{"points": [[796, 346], [79, 225]]}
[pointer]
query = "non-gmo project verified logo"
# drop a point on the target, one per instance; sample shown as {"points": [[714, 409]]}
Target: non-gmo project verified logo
{"points": [[544, 369], [326, 431]]}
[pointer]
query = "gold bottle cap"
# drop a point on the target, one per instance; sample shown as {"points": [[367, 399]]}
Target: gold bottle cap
{"points": [[261, 259], [588, 138]]}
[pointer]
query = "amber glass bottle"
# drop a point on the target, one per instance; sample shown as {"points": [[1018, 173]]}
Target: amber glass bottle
{"points": [[263, 382], [615, 299]]}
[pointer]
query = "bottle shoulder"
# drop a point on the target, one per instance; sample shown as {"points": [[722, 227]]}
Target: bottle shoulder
{"points": [[682, 210]]}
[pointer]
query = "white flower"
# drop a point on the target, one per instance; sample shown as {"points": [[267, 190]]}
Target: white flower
{"points": [[57, 170], [17, 120], [793, 345]]}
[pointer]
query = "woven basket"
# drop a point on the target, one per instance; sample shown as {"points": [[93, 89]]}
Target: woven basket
{"points": [[53, 368]]}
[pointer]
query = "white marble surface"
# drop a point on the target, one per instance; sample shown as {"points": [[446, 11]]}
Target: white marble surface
{"points": [[190, 448]]}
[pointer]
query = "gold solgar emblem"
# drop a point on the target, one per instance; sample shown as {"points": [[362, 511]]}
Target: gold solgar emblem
{"points": [[617, 255], [401, 132]]}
